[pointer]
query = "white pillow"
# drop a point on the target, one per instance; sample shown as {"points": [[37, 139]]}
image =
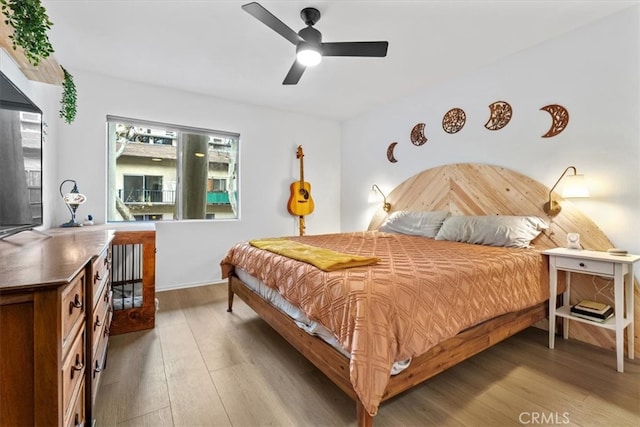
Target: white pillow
{"points": [[494, 230], [417, 223]]}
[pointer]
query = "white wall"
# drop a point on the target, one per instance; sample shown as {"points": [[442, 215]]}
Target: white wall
{"points": [[189, 252], [592, 71]]}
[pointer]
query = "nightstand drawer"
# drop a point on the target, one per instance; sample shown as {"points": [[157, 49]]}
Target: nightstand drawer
{"points": [[585, 265]]}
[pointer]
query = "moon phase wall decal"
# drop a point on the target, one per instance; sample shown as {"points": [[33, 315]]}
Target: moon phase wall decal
{"points": [[559, 117], [500, 116], [417, 134], [390, 155], [454, 120]]}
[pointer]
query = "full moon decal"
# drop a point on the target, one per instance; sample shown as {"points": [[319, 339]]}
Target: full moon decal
{"points": [[454, 120]]}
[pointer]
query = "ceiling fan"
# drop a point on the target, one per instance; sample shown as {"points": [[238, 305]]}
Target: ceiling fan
{"points": [[308, 41]]}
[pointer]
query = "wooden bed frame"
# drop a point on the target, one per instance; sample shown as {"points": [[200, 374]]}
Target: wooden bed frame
{"points": [[463, 189], [439, 358]]}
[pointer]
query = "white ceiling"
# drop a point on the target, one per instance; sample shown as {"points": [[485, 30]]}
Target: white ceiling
{"points": [[213, 47]]}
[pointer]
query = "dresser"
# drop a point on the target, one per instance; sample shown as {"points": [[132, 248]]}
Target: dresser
{"points": [[55, 312]]}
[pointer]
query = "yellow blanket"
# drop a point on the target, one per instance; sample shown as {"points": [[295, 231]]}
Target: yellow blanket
{"points": [[324, 259]]}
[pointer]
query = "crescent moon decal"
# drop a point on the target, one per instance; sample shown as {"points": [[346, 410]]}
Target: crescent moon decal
{"points": [[559, 117], [501, 113], [390, 155], [417, 134], [454, 120]]}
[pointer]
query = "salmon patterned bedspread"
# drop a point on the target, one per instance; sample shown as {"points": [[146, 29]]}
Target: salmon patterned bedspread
{"points": [[421, 293]]}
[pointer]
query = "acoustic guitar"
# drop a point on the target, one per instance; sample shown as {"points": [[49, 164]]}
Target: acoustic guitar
{"points": [[300, 201]]}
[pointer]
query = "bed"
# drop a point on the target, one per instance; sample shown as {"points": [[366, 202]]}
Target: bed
{"points": [[377, 324]]}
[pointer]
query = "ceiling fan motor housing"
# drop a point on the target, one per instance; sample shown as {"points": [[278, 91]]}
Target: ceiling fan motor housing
{"points": [[310, 15], [311, 35]]}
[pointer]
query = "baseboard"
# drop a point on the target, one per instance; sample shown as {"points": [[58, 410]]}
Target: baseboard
{"points": [[189, 285]]}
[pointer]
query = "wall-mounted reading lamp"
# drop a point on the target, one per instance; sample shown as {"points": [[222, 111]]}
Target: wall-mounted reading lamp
{"points": [[574, 186], [374, 197]]}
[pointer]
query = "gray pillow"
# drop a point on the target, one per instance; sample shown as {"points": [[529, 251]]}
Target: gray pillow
{"points": [[416, 223], [494, 230]]}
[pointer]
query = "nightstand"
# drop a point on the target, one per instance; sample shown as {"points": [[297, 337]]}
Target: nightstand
{"points": [[617, 267]]}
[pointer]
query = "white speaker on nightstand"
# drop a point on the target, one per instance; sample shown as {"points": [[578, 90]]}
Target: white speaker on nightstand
{"points": [[573, 241]]}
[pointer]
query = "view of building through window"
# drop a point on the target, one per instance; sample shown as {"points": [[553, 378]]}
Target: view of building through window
{"points": [[164, 172]]}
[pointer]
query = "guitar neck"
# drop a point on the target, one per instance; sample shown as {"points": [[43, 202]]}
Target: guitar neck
{"points": [[300, 155]]}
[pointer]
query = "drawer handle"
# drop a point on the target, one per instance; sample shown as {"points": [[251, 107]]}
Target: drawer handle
{"points": [[77, 422], [76, 303], [79, 366], [97, 369], [106, 332], [98, 323], [107, 261], [97, 278], [582, 264]]}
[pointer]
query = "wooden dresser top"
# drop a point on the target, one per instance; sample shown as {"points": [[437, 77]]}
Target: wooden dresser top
{"points": [[31, 260]]}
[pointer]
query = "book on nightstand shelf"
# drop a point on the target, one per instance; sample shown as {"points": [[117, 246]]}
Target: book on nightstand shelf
{"points": [[592, 310]]}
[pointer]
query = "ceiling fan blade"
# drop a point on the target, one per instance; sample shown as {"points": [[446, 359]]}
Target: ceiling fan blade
{"points": [[375, 49], [294, 74], [263, 15]]}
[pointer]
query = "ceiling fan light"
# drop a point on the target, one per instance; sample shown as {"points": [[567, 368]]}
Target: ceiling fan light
{"points": [[308, 55]]}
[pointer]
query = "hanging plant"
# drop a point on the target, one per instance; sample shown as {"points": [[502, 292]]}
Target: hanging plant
{"points": [[30, 24], [69, 97]]}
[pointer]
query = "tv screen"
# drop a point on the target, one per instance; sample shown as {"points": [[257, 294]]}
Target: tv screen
{"points": [[20, 160]]}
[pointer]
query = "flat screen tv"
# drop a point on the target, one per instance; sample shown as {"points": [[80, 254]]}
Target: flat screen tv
{"points": [[20, 161]]}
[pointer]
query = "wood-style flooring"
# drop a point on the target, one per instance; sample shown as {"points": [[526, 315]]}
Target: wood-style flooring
{"points": [[202, 366]]}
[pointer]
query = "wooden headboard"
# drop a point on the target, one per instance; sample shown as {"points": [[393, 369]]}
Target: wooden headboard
{"points": [[479, 189]]}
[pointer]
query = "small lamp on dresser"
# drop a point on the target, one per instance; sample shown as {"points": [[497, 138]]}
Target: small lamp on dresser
{"points": [[72, 199]]}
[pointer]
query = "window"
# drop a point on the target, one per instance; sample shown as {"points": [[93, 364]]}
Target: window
{"points": [[159, 172]]}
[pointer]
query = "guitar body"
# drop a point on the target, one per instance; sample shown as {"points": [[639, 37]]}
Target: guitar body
{"points": [[300, 201]]}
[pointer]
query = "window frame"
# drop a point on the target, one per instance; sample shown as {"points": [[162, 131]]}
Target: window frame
{"points": [[180, 130]]}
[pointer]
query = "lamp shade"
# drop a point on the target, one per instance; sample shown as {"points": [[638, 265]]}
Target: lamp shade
{"points": [[308, 54], [574, 186], [374, 196], [74, 198]]}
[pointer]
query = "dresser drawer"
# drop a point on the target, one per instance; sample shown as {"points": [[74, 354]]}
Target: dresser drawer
{"points": [[98, 364], [101, 317], [75, 414], [100, 270], [73, 369], [586, 265], [73, 307]]}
